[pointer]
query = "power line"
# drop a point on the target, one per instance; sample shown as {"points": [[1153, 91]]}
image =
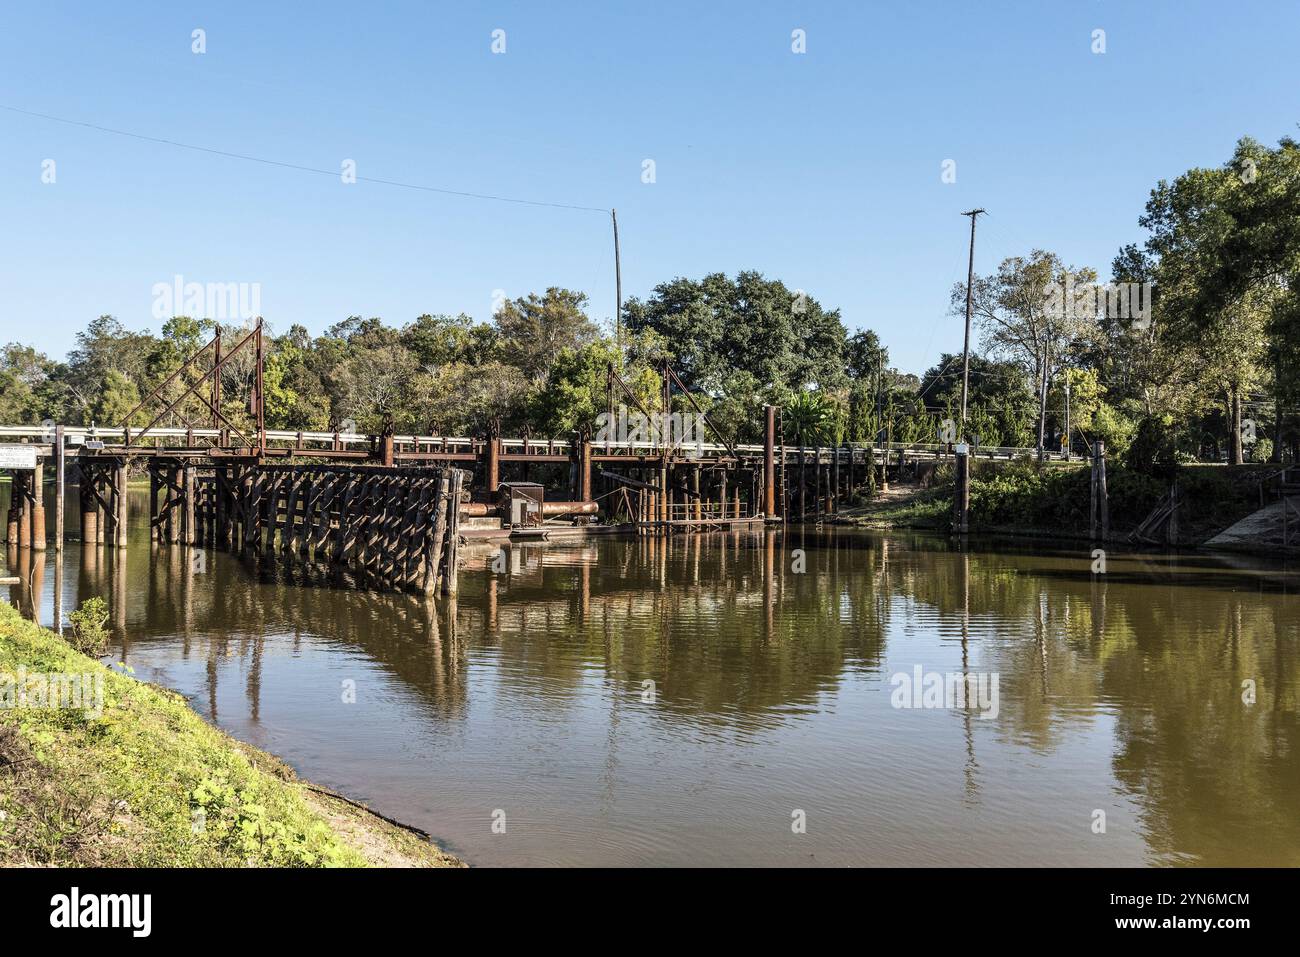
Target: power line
{"points": [[303, 169]]}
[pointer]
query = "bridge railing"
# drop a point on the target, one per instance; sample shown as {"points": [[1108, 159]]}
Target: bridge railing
{"points": [[857, 450]]}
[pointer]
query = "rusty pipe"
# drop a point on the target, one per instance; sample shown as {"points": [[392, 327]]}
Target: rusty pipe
{"points": [[482, 509]]}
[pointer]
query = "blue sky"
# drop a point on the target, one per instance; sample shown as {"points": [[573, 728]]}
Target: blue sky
{"points": [[821, 169]]}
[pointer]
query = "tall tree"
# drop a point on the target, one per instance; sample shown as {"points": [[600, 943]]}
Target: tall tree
{"points": [[535, 329], [1028, 313], [716, 327]]}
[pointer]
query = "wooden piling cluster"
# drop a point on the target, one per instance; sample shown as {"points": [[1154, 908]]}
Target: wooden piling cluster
{"points": [[25, 522], [103, 500], [395, 527], [181, 503]]}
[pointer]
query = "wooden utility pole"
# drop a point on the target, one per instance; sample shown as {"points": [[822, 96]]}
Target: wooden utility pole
{"points": [[1277, 409], [618, 291], [1067, 417], [965, 353]]}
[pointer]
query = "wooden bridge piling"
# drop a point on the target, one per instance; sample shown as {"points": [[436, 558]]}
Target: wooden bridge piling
{"points": [[394, 528]]}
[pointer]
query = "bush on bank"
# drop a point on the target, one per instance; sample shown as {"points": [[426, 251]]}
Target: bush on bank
{"points": [[1029, 495]]}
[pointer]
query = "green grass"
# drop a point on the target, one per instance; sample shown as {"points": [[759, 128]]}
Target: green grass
{"points": [[147, 783]]}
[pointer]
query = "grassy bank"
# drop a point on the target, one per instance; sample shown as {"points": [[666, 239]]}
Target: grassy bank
{"points": [[147, 782]]}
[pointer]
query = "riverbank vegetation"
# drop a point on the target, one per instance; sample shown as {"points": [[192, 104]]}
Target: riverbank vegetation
{"points": [[1036, 498], [134, 777]]}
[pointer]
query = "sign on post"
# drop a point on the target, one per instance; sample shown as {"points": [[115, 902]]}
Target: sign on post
{"points": [[17, 456]]}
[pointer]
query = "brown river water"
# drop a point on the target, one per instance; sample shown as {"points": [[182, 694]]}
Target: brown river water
{"points": [[741, 699]]}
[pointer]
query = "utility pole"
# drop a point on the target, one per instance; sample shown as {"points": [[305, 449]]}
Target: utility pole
{"points": [[618, 292], [1067, 417], [965, 354]]}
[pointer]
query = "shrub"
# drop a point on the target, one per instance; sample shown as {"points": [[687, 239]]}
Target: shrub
{"points": [[88, 634]]}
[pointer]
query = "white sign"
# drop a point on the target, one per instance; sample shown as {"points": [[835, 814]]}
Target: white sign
{"points": [[17, 456], [961, 448]]}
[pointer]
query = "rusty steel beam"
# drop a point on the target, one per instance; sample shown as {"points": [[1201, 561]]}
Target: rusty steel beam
{"points": [[484, 509], [193, 388]]}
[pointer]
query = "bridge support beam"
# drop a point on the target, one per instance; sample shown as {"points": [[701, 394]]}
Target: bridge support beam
{"points": [[493, 451], [13, 519], [37, 500], [85, 487], [769, 464], [120, 504]]}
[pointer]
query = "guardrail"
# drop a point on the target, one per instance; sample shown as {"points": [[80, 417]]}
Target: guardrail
{"points": [[80, 434]]}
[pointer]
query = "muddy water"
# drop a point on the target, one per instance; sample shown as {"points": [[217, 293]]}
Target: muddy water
{"points": [[624, 701]]}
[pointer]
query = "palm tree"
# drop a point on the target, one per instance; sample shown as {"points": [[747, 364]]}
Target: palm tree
{"points": [[809, 419]]}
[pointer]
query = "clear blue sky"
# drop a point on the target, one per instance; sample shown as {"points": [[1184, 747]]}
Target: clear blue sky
{"points": [[820, 169]]}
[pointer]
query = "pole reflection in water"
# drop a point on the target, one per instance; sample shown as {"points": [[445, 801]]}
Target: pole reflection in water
{"points": [[772, 690]]}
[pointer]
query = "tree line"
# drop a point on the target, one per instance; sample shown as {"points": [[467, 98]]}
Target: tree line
{"points": [[1197, 373]]}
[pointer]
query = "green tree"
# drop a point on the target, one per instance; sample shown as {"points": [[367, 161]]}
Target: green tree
{"points": [[533, 330], [1027, 316], [999, 390], [715, 327], [116, 399]]}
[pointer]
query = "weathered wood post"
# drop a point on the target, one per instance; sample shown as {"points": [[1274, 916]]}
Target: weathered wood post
{"points": [[38, 507], [22, 536], [119, 501], [835, 479], [769, 464], [13, 520], [493, 463], [663, 509], [584, 468], [451, 577], [433, 551], [1100, 508], [155, 486], [1092, 495], [961, 491], [221, 488], [85, 484], [190, 488], [803, 484], [60, 489], [722, 493]]}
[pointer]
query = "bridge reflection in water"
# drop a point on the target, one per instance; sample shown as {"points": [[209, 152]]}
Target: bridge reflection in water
{"points": [[771, 693]]}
